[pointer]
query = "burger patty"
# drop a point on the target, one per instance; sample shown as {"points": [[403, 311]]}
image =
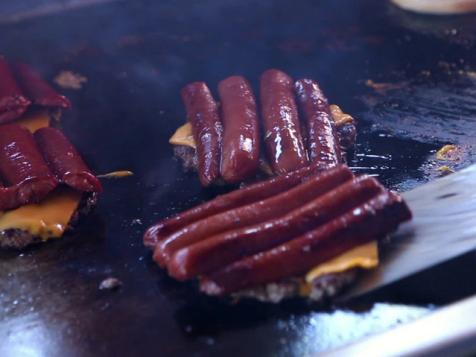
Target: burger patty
{"points": [[320, 290], [18, 239]]}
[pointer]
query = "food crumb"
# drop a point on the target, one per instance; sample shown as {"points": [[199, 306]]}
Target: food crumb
{"points": [[70, 80], [445, 170], [447, 152], [117, 174], [383, 87], [110, 283]]}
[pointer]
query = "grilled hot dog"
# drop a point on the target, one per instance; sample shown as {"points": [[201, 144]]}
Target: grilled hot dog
{"points": [[65, 162], [252, 213], [322, 140], [283, 137], [364, 223], [202, 113], [240, 148], [234, 199], [222, 249]]}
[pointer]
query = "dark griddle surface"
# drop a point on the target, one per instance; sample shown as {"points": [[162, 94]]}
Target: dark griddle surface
{"points": [[136, 56]]}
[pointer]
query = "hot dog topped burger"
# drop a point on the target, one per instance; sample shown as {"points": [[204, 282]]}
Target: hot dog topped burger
{"points": [[308, 230], [44, 183], [304, 233], [294, 123]]}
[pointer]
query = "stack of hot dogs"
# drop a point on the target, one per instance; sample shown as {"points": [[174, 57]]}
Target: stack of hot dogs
{"points": [[275, 231], [298, 127], [34, 168], [21, 88], [44, 183], [33, 165]]}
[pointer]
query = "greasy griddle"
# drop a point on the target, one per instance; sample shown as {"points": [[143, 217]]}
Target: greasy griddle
{"points": [[136, 56]]}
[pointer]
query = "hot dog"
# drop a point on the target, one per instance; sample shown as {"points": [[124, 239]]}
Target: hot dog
{"points": [[202, 113], [22, 165], [282, 137], [240, 147], [65, 162], [368, 221], [234, 199], [222, 249], [322, 139], [252, 213], [13, 102], [37, 89]]}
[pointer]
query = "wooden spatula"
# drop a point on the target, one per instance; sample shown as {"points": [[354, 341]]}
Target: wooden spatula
{"points": [[443, 227]]}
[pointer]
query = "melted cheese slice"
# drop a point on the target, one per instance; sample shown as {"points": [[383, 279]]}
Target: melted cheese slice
{"points": [[49, 218], [183, 136], [35, 120], [363, 256]]}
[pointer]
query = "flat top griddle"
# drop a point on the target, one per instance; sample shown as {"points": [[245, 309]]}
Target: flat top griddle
{"points": [[136, 56]]}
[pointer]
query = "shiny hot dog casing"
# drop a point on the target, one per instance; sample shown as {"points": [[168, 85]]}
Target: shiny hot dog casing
{"points": [[222, 203], [322, 140], [223, 249], [65, 162], [368, 221], [240, 146], [283, 139], [202, 113]]}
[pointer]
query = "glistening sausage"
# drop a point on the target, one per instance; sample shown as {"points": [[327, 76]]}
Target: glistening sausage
{"points": [[13, 102], [240, 148], [283, 137], [220, 250], [322, 141], [369, 221], [252, 213], [65, 162], [37, 89], [202, 113], [222, 203], [22, 165]]}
